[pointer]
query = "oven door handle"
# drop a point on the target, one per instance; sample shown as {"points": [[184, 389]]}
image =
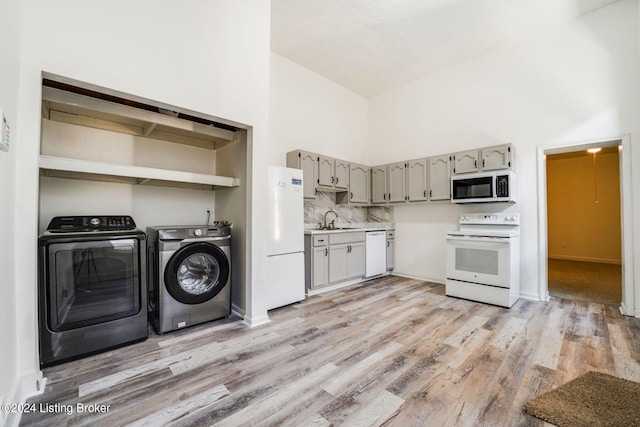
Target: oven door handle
{"points": [[479, 239]]}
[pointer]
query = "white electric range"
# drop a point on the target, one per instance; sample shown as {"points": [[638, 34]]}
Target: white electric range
{"points": [[483, 258]]}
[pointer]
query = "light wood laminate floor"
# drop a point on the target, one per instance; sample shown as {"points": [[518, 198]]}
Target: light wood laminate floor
{"points": [[390, 351]]}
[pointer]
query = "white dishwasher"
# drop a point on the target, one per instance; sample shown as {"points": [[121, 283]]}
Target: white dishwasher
{"points": [[376, 250]]}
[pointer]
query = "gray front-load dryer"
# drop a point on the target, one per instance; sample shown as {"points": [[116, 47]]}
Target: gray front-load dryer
{"points": [[189, 275]]}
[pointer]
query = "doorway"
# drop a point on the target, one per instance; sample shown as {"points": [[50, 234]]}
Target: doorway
{"points": [[584, 207], [584, 230]]}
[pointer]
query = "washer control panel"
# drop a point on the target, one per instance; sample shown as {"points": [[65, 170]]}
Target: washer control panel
{"points": [[61, 224]]}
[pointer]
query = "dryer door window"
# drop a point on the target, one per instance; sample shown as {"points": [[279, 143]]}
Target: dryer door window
{"points": [[92, 282], [196, 273]]}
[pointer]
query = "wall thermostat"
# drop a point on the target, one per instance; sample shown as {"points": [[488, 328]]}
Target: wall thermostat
{"points": [[4, 142]]}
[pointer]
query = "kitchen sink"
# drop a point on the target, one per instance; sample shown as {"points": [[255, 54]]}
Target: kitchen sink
{"points": [[337, 228]]}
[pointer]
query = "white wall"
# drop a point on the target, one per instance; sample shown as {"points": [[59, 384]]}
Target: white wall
{"points": [[230, 206], [9, 80], [209, 56], [578, 82], [309, 112]]}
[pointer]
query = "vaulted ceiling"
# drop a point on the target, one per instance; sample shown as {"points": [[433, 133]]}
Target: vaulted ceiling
{"points": [[372, 46]]}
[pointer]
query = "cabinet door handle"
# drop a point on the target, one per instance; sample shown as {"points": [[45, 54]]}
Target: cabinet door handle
{"points": [[351, 196], [337, 179], [475, 163], [425, 193], [430, 193], [482, 162], [387, 243], [332, 179], [326, 251]]}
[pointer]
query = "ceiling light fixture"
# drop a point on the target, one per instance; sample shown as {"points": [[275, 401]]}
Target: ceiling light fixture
{"points": [[594, 150]]}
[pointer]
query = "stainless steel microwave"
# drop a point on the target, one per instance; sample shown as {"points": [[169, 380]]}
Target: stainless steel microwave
{"points": [[496, 186]]}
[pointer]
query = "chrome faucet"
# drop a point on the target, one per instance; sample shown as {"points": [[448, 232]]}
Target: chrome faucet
{"points": [[324, 226]]}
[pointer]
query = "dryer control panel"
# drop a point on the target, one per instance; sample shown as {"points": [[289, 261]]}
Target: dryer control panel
{"points": [[194, 232]]}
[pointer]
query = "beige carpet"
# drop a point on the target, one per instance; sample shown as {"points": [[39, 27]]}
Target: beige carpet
{"points": [[593, 399], [585, 281]]}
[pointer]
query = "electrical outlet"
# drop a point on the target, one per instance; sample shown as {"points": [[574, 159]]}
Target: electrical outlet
{"points": [[6, 132]]}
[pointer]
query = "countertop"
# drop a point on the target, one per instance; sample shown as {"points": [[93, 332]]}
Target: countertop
{"points": [[345, 230]]}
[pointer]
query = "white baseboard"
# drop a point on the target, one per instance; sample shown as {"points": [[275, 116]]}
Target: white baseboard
{"points": [[325, 289], [257, 321], [237, 311], [249, 321], [532, 297], [425, 279], [29, 385]]}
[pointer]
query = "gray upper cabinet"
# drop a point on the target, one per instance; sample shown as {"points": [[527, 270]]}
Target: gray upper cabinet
{"points": [[439, 178], [359, 183], [341, 174], [466, 162], [326, 166], [333, 173], [379, 184], [417, 180], [413, 181], [396, 180], [497, 157], [308, 162]]}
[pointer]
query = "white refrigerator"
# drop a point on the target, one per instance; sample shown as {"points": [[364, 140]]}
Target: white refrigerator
{"points": [[285, 237]]}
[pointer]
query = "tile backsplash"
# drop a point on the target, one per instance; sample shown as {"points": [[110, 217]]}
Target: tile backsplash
{"points": [[348, 215]]}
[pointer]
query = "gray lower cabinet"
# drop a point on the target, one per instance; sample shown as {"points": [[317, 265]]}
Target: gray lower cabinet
{"points": [[338, 263], [334, 258], [346, 261], [390, 250], [316, 259], [320, 266]]}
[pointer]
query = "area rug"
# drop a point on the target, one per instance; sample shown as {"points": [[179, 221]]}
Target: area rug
{"points": [[593, 399]]}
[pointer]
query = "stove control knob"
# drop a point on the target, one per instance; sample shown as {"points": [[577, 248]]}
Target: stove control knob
{"points": [[94, 221], [197, 232]]}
